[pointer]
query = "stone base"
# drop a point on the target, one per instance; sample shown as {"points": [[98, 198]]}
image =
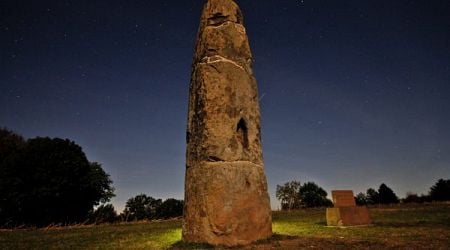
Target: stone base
{"points": [[226, 203], [348, 216]]}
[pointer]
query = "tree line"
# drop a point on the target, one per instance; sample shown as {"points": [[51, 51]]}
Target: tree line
{"points": [[46, 181], [140, 207], [440, 191], [293, 195]]}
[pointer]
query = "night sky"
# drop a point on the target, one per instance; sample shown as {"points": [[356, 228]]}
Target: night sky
{"points": [[353, 93]]}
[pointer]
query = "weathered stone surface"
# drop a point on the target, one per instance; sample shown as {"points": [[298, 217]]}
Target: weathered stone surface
{"points": [[226, 198], [227, 205], [343, 198], [225, 95], [345, 212]]}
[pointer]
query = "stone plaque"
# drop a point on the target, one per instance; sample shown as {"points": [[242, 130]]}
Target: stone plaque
{"points": [[345, 212], [343, 198]]}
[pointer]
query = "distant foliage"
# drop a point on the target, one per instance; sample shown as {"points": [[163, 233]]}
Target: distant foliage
{"points": [[11, 150], [372, 197], [293, 195], [104, 214], [288, 194], [386, 195], [47, 181], [414, 198], [311, 195], [440, 191], [411, 198], [170, 208], [143, 207], [361, 199], [425, 198]]}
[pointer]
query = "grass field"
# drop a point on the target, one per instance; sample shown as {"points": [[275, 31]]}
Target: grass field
{"points": [[407, 227]]}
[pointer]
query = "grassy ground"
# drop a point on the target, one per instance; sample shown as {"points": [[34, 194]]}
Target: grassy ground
{"points": [[408, 227]]}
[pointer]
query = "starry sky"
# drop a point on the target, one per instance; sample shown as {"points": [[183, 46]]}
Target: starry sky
{"points": [[353, 93]]}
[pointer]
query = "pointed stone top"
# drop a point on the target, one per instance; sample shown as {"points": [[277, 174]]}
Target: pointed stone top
{"points": [[222, 36], [217, 12]]}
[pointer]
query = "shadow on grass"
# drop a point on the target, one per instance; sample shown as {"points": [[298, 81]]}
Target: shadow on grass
{"points": [[273, 240]]}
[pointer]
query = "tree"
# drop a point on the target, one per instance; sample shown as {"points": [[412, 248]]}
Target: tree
{"points": [[411, 198], [141, 207], [311, 195], [170, 208], [49, 181], [372, 196], [288, 194], [440, 191], [361, 199], [99, 188], [11, 150], [104, 214], [386, 195]]}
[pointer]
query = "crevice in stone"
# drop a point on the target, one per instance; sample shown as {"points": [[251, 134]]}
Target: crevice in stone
{"points": [[227, 22], [214, 67], [231, 163], [213, 158], [242, 133], [217, 19], [247, 182]]}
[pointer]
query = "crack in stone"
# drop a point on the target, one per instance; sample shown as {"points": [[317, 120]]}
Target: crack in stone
{"points": [[232, 162], [227, 22], [214, 159], [217, 58]]}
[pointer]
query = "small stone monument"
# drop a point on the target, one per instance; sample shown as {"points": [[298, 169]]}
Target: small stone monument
{"points": [[345, 212], [226, 198]]}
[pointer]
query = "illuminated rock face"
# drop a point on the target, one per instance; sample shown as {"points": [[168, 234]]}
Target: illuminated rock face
{"points": [[226, 198]]}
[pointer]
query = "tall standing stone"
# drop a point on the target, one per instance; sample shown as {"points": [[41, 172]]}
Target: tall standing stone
{"points": [[226, 198]]}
